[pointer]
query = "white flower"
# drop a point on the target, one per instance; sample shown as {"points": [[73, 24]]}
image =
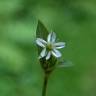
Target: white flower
{"points": [[50, 46]]}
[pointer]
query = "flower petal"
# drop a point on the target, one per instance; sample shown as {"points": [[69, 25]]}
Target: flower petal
{"points": [[59, 45], [56, 53], [41, 42], [48, 55], [43, 53], [51, 37]]}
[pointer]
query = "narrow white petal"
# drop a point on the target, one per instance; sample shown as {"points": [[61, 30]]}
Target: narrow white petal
{"points": [[43, 53], [56, 53], [41, 42], [59, 45], [48, 55], [51, 37]]}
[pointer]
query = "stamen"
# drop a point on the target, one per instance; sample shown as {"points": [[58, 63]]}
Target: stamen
{"points": [[49, 47]]}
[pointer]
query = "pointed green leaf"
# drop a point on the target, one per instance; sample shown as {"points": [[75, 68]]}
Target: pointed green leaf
{"points": [[41, 32]]}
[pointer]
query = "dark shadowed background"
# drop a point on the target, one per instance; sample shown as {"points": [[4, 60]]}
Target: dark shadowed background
{"points": [[74, 22]]}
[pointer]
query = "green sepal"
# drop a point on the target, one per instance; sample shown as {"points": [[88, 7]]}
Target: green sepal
{"points": [[48, 65]]}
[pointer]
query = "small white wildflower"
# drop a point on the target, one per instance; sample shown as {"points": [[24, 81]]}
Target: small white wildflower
{"points": [[50, 46]]}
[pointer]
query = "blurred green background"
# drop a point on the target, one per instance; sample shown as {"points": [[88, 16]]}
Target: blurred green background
{"points": [[74, 22]]}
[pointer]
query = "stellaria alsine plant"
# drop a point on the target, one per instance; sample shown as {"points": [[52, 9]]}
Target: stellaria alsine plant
{"points": [[47, 52]]}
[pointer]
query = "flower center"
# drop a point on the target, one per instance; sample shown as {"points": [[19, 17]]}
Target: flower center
{"points": [[49, 47]]}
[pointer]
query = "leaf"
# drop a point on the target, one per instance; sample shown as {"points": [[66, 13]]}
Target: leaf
{"points": [[64, 63], [41, 32]]}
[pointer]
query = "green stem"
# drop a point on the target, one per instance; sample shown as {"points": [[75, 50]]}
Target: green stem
{"points": [[45, 85]]}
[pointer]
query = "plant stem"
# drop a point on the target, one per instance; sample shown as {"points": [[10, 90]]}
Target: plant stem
{"points": [[45, 85]]}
